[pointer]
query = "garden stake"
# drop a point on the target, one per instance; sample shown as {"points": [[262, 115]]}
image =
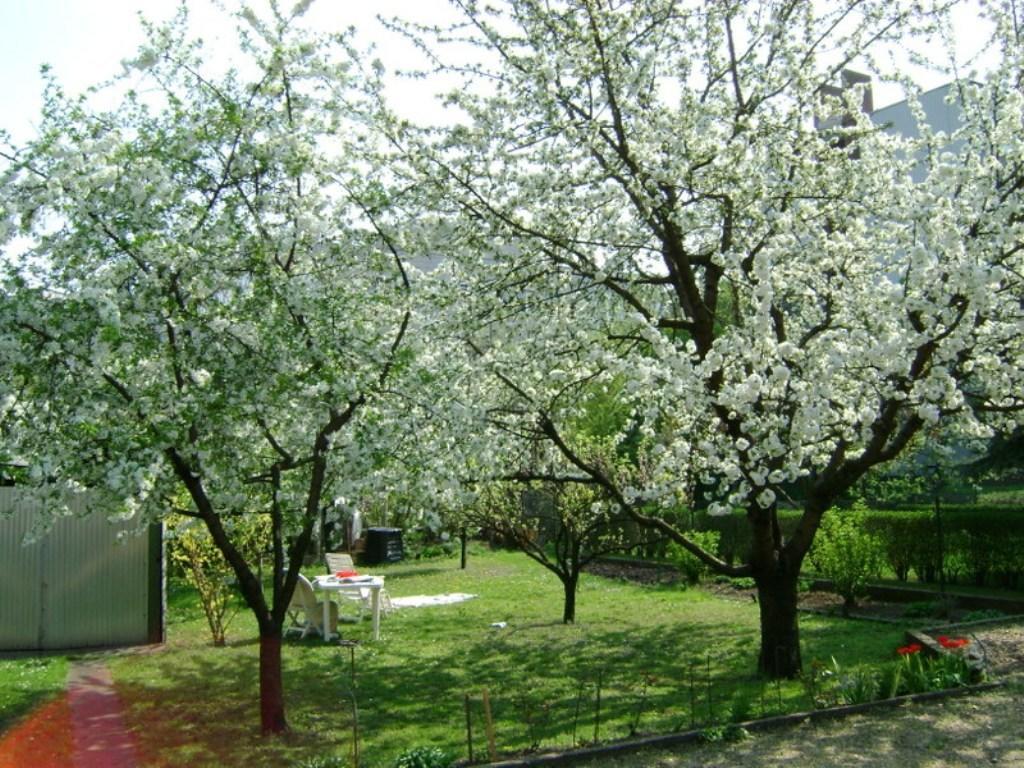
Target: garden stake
{"points": [[351, 645], [693, 695], [576, 714], [711, 701], [529, 719], [489, 723], [634, 726], [469, 729], [355, 731], [778, 682], [597, 707]]}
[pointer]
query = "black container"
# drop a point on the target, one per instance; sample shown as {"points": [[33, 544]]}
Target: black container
{"points": [[383, 545]]}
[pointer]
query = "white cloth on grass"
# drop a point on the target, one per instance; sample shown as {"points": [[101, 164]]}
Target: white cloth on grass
{"points": [[419, 601]]}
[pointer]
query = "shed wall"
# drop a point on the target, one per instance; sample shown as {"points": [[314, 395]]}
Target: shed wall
{"points": [[79, 586]]}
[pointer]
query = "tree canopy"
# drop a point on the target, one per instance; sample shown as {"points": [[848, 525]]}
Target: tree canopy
{"points": [[678, 199], [207, 304], [661, 213]]}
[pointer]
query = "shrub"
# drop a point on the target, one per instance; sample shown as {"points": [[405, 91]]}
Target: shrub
{"points": [[729, 732], [847, 554], [983, 544], [424, 544], [323, 761], [689, 566], [856, 686], [923, 609], [206, 569], [829, 685], [423, 757], [741, 708], [736, 582]]}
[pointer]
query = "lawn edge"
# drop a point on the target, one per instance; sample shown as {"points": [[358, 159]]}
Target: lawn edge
{"points": [[762, 724]]}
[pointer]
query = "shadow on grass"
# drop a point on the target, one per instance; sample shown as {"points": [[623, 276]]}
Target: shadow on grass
{"points": [[543, 683], [663, 658], [205, 711]]}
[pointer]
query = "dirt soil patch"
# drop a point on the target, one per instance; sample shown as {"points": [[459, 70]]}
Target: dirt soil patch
{"points": [[1003, 651], [818, 601], [639, 574], [824, 602], [821, 602]]}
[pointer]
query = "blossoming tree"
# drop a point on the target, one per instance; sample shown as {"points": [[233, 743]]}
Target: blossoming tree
{"points": [[562, 525], [205, 298], [659, 198]]}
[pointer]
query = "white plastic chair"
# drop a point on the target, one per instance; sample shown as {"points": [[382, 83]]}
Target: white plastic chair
{"points": [[305, 604], [341, 561]]}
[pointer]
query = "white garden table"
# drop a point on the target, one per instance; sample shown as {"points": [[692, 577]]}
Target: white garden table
{"points": [[335, 584]]}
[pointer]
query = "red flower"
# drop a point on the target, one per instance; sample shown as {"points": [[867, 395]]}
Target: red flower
{"points": [[950, 642], [908, 650]]}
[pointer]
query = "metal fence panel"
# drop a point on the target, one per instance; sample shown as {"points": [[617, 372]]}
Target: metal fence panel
{"points": [[79, 586], [20, 595]]}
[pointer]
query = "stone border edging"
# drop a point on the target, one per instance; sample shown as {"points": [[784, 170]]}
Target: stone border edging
{"points": [[968, 625], [903, 593], [763, 724], [830, 614]]}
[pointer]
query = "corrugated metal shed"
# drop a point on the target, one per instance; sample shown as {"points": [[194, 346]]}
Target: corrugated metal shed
{"points": [[78, 586]]}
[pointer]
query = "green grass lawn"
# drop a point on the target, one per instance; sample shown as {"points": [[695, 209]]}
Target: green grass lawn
{"points": [[25, 683], [665, 658]]}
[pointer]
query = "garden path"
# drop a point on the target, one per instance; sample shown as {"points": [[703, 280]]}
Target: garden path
{"points": [[101, 736]]}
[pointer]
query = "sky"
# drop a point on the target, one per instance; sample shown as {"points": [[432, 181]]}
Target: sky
{"points": [[85, 41]]}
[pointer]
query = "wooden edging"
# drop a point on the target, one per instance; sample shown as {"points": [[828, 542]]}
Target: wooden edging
{"points": [[764, 724], [907, 593], [831, 614], [969, 625]]}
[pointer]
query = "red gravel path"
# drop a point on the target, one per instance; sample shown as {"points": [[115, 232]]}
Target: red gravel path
{"points": [[41, 740], [82, 729], [100, 733]]}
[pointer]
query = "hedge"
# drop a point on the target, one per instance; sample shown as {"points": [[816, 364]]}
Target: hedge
{"points": [[982, 545]]}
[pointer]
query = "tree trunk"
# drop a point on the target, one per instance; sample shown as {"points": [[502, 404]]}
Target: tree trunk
{"points": [[780, 634], [271, 684], [849, 603], [569, 608]]}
